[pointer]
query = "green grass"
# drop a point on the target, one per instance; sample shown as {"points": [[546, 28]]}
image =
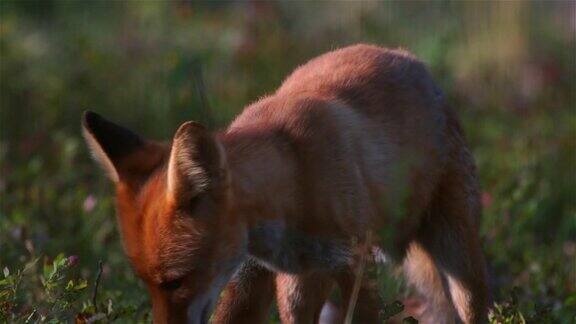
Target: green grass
{"points": [[508, 68]]}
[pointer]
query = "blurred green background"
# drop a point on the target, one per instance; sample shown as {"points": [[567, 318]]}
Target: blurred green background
{"points": [[507, 67]]}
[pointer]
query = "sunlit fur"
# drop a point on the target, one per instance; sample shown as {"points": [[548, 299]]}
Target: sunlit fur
{"points": [[356, 140], [182, 166]]}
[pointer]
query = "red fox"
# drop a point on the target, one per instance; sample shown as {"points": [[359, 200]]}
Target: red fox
{"points": [[356, 141]]}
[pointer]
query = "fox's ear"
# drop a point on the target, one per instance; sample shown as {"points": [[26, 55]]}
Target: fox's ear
{"points": [[197, 161], [122, 153]]}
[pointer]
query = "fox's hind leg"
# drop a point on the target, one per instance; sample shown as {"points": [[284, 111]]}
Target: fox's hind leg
{"points": [[248, 297], [454, 246], [423, 275], [446, 266], [448, 235]]}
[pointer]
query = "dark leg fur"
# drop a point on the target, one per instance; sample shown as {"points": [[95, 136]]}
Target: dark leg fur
{"points": [[248, 297], [447, 248]]}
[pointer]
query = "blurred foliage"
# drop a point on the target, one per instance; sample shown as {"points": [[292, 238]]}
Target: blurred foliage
{"points": [[508, 68]]}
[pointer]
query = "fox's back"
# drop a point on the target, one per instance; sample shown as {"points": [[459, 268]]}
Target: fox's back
{"points": [[363, 118], [385, 83], [389, 87], [391, 92]]}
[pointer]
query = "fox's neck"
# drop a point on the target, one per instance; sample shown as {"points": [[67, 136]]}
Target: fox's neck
{"points": [[264, 173]]}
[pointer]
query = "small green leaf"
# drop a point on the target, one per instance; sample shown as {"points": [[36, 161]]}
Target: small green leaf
{"points": [[81, 285], [46, 269], [30, 266], [571, 300], [410, 320], [393, 309]]}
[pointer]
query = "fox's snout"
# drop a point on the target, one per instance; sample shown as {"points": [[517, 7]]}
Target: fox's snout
{"points": [[199, 312], [196, 311], [191, 315]]}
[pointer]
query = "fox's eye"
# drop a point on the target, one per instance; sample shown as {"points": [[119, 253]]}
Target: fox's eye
{"points": [[171, 284], [193, 202]]}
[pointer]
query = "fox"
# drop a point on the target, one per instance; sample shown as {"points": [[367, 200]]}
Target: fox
{"points": [[357, 147]]}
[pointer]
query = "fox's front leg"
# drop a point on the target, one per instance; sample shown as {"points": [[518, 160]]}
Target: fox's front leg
{"points": [[248, 296], [300, 297], [368, 304]]}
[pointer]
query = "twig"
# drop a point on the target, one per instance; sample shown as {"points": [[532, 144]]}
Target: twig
{"points": [[358, 279], [96, 284], [29, 318], [201, 89]]}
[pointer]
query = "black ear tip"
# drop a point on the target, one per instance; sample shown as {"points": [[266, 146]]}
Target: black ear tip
{"points": [[90, 118], [115, 140]]}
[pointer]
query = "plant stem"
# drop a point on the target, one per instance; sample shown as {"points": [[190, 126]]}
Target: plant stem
{"points": [[96, 284], [358, 279]]}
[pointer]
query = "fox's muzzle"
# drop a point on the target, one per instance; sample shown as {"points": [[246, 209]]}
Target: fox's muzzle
{"points": [[199, 311]]}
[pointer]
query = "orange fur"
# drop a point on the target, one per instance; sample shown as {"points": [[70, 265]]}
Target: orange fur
{"points": [[359, 138]]}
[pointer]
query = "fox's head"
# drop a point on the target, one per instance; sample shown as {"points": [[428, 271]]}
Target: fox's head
{"points": [[175, 211]]}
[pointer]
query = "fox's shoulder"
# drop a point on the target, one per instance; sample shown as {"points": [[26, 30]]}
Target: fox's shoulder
{"points": [[278, 111]]}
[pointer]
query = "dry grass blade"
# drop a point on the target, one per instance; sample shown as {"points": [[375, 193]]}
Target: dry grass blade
{"points": [[96, 284], [358, 278]]}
